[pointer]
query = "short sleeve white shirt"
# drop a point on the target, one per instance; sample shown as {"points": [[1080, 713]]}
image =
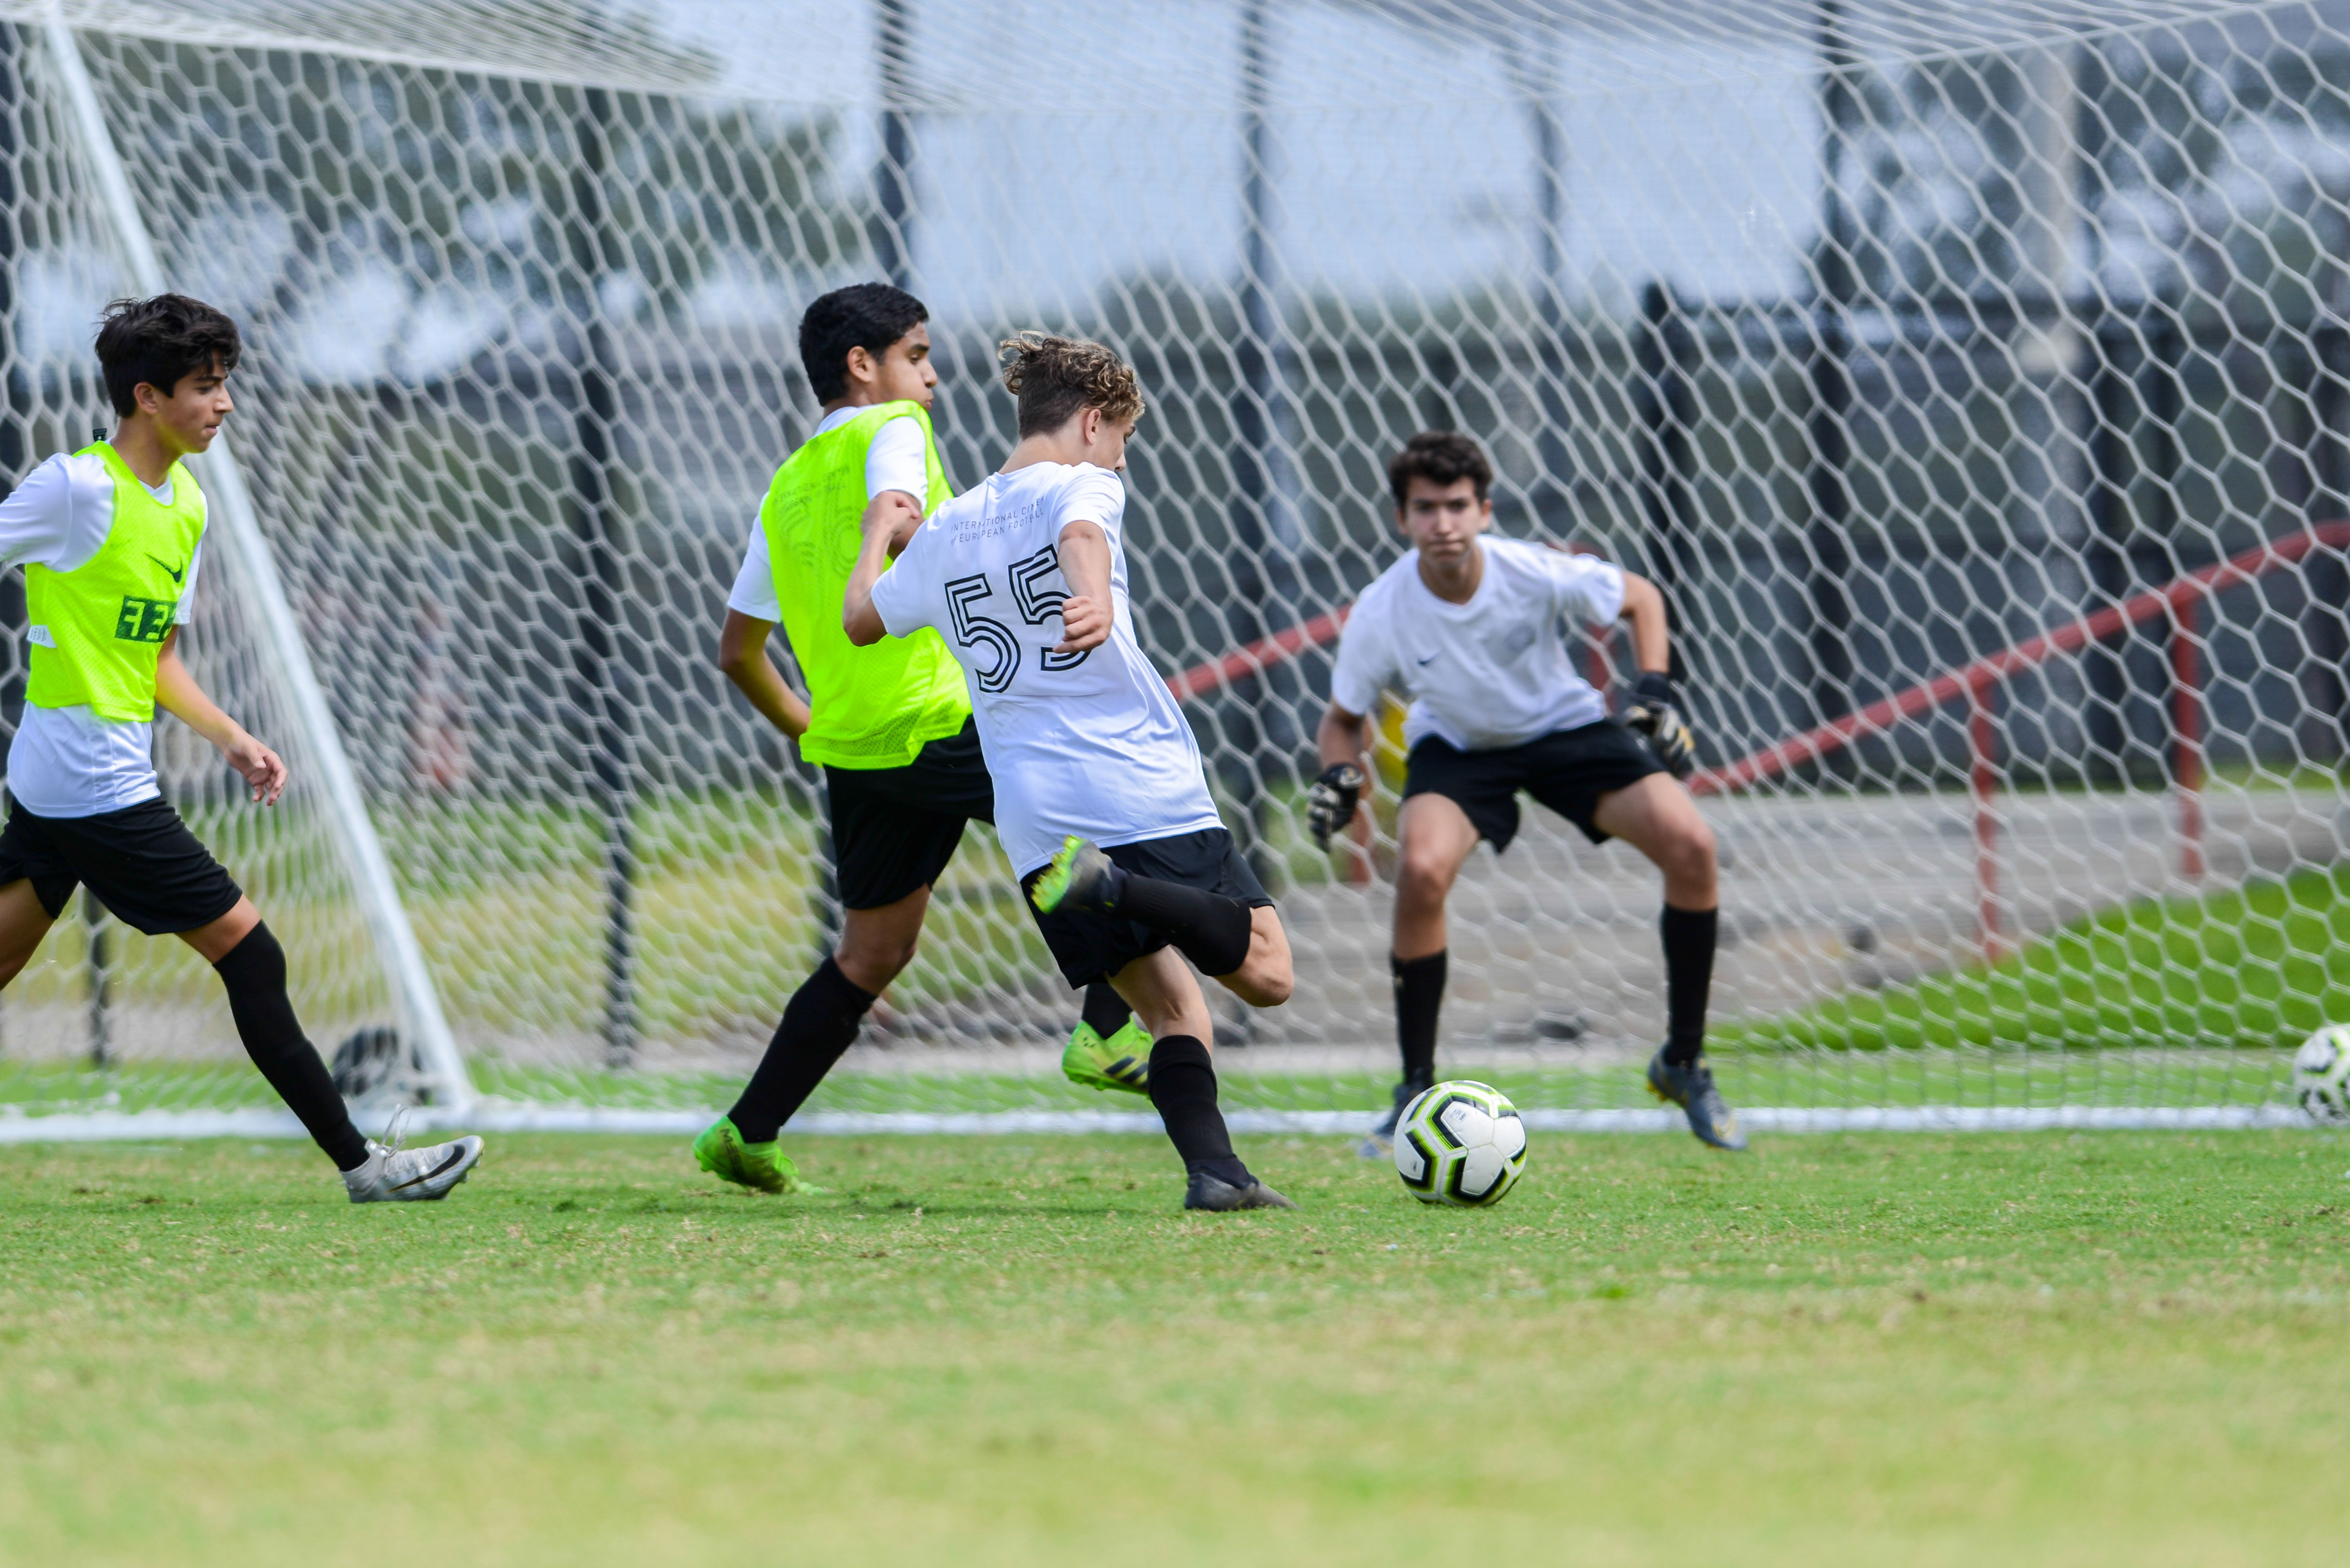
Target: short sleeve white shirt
{"points": [[897, 459], [1092, 744], [69, 762], [1496, 672]]}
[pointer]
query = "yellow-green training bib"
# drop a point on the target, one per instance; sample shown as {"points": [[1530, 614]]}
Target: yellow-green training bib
{"points": [[874, 707], [96, 631]]}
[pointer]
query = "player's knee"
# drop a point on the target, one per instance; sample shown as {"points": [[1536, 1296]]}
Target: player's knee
{"points": [[1423, 880], [1261, 985], [1689, 856], [871, 965]]}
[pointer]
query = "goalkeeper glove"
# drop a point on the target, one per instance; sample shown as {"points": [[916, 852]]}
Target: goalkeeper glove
{"points": [[1654, 712], [1330, 804]]}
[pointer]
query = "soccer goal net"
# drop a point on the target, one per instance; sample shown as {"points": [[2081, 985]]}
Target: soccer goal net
{"points": [[1973, 379]]}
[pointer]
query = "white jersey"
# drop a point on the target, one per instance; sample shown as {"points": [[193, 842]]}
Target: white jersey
{"points": [[1089, 743], [898, 459], [1496, 672], [69, 762]]}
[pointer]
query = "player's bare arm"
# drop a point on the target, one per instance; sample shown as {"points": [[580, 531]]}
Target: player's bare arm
{"points": [[1086, 614], [177, 693], [889, 521], [743, 659]]}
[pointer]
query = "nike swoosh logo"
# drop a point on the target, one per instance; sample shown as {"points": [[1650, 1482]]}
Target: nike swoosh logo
{"points": [[444, 1168], [1430, 659], [175, 575]]}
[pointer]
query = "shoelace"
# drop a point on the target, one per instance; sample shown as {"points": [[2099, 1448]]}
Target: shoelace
{"points": [[395, 1132]]}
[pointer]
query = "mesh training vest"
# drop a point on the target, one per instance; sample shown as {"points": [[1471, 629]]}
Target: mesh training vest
{"points": [[875, 707], [96, 631]]}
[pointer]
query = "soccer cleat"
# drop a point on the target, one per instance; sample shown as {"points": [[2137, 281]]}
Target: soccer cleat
{"points": [[397, 1174], [1120, 1062], [761, 1167], [1080, 877], [1691, 1087], [1220, 1197], [1379, 1143]]}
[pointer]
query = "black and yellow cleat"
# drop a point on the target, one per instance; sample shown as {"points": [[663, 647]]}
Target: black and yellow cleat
{"points": [[1690, 1084], [1120, 1062], [1080, 876]]}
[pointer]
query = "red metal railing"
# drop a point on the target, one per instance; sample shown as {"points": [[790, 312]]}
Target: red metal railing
{"points": [[2181, 599]]}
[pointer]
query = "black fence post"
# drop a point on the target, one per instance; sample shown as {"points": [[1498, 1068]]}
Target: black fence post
{"points": [[1827, 552], [599, 673], [888, 234]]}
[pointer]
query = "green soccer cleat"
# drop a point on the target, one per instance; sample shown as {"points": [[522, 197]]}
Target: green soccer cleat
{"points": [[1079, 878], [1691, 1087], [761, 1167], [1120, 1062]]}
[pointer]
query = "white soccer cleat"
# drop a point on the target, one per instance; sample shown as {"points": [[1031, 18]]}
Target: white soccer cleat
{"points": [[397, 1174]]}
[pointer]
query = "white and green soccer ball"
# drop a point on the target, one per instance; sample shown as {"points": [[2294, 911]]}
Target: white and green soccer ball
{"points": [[1459, 1142], [2320, 1074]]}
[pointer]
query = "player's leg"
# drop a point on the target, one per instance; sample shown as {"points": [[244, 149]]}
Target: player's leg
{"points": [[23, 921], [1194, 889], [1266, 976], [888, 846], [1658, 816], [245, 954], [1165, 996], [824, 1016], [1435, 838], [1451, 798]]}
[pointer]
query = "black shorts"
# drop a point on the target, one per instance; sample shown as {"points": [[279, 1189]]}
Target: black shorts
{"points": [[1094, 947], [141, 862], [1568, 770], [894, 829]]}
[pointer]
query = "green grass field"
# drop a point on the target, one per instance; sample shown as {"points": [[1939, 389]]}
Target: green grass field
{"points": [[1922, 1350], [2259, 966]]}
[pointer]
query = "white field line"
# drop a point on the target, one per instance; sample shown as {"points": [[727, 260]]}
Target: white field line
{"points": [[158, 1125]]}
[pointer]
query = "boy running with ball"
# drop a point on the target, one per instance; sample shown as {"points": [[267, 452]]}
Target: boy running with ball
{"points": [[111, 538], [1100, 798], [903, 770], [1472, 630]]}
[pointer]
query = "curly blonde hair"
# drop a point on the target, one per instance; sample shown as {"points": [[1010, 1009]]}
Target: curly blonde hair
{"points": [[1055, 377]]}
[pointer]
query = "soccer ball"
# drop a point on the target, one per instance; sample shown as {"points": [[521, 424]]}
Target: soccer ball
{"points": [[2320, 1074], [1459, 1142]]}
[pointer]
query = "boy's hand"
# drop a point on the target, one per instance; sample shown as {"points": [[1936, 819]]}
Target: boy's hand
{"points": [[264, 770], [1655, 711], [897, 513], [1085, 625], [1330, 805]]}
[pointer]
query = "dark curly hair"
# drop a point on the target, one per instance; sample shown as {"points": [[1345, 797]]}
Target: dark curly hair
{"points": [[159, 341], [1443, 458]]}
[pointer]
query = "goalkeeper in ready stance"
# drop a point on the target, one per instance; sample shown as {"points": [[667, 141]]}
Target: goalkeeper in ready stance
{"points": [[1100, 798], [111, 538], [1472, 629], [903, 770]]}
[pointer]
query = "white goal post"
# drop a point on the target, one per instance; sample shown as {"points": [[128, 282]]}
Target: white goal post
{"points": [[1975, 382]]}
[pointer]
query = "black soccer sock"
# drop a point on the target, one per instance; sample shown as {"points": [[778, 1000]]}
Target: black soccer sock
{"points": [[1183, 1090], [1690, 935], [255, 973], [820, 1022], [1419, 995], [1212, 930], [1105, 1009]]}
